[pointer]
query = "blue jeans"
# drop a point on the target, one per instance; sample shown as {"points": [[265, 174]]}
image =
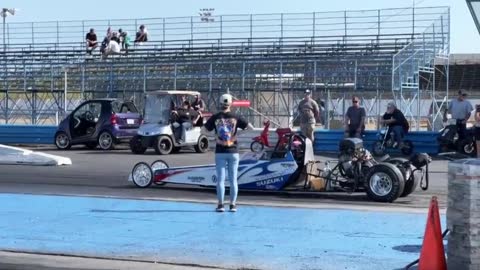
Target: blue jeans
{"points": [[398, 133], [227, 162]]}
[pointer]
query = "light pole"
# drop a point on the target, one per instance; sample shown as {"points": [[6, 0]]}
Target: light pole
{"points": [[4, 13]]}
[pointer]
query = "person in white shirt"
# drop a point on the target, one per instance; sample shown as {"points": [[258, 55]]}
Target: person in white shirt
{"points": [[112, 48]]}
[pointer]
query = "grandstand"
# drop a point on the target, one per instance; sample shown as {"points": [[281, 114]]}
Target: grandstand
{"points": [[266, 58]]}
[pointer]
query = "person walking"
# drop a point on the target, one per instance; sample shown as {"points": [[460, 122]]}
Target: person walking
{"points": [[308, 111], [225, 124], [355, 119], [461, 110]]}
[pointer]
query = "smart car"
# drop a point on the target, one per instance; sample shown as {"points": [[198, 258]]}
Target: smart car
{"points": [[98, 122]]}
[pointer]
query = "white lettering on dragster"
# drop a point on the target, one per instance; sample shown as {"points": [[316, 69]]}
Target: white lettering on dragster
{"points": [[269, 181]]}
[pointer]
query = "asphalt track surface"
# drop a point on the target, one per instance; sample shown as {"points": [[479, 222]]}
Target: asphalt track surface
{"points": [[104, 174]]}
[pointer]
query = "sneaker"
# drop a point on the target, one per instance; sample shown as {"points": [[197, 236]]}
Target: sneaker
{"points": [[220, 208], [233, 208]]}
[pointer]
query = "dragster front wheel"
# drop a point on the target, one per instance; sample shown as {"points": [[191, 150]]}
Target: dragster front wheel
{"points": [[142, 175], [159, 165]]}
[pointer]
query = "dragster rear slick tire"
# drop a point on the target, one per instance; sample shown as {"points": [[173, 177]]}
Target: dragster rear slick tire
{"points": [[384, 183]]}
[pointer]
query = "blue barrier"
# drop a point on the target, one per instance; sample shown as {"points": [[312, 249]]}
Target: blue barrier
{"points": [[325, 140], [328, 140], [18, 134]]}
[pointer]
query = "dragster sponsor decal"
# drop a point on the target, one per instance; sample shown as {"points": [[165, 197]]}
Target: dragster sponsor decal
{"points": [[268, 175], [269, 181]]}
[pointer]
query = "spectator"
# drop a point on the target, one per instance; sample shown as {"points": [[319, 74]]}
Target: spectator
{"points": [[477, 128], [226, 124], [461, 109], [355, 119], [396, 122], [115, 37], [91, 39], [308, 111], [186, 117], [112, 47], [142, 35], [104, 45], [109, 33], [198, 104], [124, 40]]}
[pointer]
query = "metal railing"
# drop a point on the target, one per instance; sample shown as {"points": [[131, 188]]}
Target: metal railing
{"points": [[280, 25]]}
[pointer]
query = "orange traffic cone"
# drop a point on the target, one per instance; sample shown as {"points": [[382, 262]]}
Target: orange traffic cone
{"points": [[432, 256]]}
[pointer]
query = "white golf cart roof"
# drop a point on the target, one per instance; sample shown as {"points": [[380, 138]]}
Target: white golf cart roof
{"points": [[174, 92]]}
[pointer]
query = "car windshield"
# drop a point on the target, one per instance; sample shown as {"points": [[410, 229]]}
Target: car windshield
{"points": [[158, 108]]}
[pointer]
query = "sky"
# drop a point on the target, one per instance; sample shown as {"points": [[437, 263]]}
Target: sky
{"points": [[465, 38]]}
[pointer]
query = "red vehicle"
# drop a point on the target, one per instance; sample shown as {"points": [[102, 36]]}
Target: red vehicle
{"points": [[259, 142]]}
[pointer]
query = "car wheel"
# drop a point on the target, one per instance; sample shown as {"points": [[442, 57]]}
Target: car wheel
{"points": [[202, 145], [142, 175], [378, 148], [407, 148], [136, 145], [91, 145], [106, 140], [163, 145], [468, 147], [256, 146], [385, 183], [159, 165], [62, 141]]}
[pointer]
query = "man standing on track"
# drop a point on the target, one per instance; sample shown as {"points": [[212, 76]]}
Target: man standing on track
{"points": [[461, 110]]}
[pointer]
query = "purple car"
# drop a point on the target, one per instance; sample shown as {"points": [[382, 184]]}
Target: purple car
{"points": [[102, 122]]}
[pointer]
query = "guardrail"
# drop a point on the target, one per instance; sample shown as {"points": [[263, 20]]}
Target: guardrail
{"points": [[325, 140]]}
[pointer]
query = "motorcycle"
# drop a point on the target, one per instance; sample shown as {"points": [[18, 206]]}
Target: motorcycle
{"points": [[259, 142], [448, 140], [386, 139]]}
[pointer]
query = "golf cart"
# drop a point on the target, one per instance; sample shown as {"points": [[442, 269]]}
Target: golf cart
{"points": [[161, 131]]}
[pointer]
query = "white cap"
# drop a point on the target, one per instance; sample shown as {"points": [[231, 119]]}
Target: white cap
{"points": [[226, 100], [391, 104]]}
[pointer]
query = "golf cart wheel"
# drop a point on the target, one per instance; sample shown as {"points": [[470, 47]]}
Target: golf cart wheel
{"points": [[159, 165], [202, 145], [91, 145], [163, 145], [407, 148], [136, 145], [411, 181], [142, 175], [468, 147], [106, 141], [384, 183], [378, 148], [256, 146], [62, 141]]}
